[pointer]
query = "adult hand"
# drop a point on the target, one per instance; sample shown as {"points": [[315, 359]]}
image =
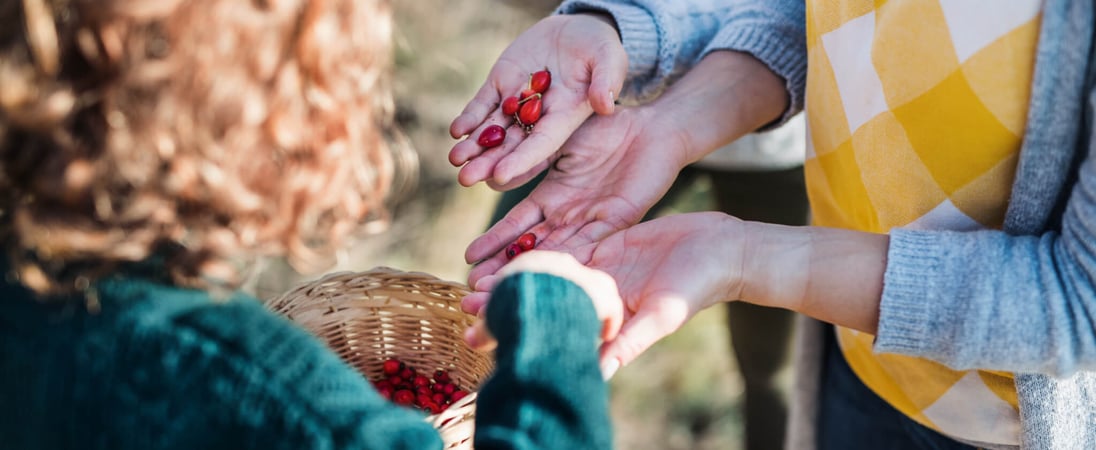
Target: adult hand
{"points": [[614, 168], [667, 270], [588, 65], [611, 171]]}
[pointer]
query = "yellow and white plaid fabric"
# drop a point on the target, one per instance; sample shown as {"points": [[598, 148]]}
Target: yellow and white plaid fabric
{"points": [[916, 110]]}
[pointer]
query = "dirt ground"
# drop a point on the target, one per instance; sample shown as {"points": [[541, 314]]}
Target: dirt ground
{"points": [[685, 392]]}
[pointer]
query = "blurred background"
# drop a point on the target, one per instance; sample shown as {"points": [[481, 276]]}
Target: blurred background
{"points": [[685, 393]]}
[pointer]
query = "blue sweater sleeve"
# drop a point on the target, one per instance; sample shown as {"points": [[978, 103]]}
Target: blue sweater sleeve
{"points": [[664, 39], [547, 391], [995, 300]]}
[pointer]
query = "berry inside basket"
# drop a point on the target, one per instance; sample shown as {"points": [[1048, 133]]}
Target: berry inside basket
{"points": [[384, 314]]}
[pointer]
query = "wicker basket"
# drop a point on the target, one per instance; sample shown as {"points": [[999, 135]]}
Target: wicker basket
{"points": [[368, 317]]}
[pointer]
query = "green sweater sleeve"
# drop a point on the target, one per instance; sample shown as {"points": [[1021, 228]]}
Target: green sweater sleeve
{"points": [[547, 390]]}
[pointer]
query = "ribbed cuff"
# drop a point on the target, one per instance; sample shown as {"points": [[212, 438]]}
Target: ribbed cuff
{"points": [[638, 32], [904, 315], [784, 54], [537, 314]]}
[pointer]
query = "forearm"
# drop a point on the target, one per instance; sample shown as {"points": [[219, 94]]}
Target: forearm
{"points": [[727, 95], [830, 274], [663, 39]]}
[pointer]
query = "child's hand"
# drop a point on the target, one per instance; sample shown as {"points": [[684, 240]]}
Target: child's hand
{"points": [[598, 285]]}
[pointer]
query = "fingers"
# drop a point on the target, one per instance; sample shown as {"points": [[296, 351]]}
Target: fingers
{"points": [[479, 163], [473, 303], [520, 179], [547, 137], [479, 337], [649, 325], [521, 217], [607, 80], [476, 111]]}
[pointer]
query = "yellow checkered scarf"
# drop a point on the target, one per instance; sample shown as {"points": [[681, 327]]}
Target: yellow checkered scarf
{"points": [[916, 110]]}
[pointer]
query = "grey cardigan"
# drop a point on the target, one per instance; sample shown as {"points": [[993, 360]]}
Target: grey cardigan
{"points": [[1021, 300]]}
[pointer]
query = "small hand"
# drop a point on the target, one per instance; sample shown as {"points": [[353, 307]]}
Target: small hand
{"points": [[598, 285], [588, 64]]}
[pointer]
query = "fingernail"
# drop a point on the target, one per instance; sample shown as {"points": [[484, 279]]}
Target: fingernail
{"points": [[609, 368]]}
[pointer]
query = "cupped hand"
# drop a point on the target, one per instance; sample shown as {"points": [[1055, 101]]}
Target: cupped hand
{"points": [[669, 269], [606, 177], [588, 65]]}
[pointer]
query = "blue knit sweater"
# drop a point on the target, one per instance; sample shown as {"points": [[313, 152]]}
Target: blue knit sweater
{"points": [[159, 367]]}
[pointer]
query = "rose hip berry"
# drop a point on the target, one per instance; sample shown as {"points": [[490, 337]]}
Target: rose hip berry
{"points": [[510, 105], [403, 397], [527, 241], [512, 251], [391, 367], [527, 94], [492, 136], [540, 81], [405, 387], [530, 112]]}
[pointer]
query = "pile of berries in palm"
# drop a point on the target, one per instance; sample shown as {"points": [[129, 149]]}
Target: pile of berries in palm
{"points": [[525, 108], [404, 386]]}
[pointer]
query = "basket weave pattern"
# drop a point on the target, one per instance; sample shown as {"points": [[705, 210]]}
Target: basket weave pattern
{"points": [[368, 317]]}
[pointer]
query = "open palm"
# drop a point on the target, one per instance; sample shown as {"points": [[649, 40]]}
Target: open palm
{"points": [[588, 64]]}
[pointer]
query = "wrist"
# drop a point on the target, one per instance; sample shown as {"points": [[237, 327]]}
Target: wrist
{"points": [[727, 95], [776, 265]]}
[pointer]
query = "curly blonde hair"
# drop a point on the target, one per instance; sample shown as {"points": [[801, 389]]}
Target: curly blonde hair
{"points": [[196, 134]]}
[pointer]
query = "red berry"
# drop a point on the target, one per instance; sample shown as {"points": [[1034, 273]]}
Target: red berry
{"points": [[436, 408], [527, 94], [457, 395], [530, 112], [510, 105], [403, 397], [438, 398], [512, 251], [423, 399], [437, 387], [540, 81], [423, 390], [382, 384], [395, 380], [386, 393], [391, 366], [408, 374], [491, 136], [450, 389], [441, 376], [527, 241], [421, 381]]}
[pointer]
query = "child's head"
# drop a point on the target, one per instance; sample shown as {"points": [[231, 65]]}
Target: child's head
{"points": [[198, 133]]}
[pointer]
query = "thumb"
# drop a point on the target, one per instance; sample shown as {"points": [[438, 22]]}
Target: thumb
{"points": [[640, 332], [610, 66]]}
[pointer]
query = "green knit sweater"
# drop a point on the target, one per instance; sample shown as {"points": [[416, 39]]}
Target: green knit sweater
{"points": [[159, 367]]}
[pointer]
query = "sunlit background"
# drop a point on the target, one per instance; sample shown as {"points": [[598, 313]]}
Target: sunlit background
{"points": [[685, 393]]}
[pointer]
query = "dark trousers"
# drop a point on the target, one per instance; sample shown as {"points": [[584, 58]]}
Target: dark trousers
{"points": [[851, 416], [760, 336]]}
